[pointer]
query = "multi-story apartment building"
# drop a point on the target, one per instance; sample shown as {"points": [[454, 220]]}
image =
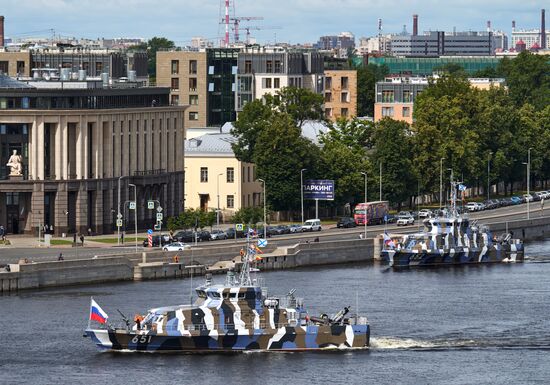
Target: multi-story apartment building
{"points": [[204, 80], [340, 93], [215, 178], [438, 43], [116, 64], [265, 71], [530, 37], [77, 142], [395, 96]]}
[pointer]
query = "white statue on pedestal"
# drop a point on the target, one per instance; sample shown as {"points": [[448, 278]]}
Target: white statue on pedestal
{"points": [[15, 162]]}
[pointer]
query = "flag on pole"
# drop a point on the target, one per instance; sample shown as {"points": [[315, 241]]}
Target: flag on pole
{"points": [[388, 241], [97, 313]]}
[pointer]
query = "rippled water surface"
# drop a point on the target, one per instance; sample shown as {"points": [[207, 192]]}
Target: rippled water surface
{"points": [[471, 325]]}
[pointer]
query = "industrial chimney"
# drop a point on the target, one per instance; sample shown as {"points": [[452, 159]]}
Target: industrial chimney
{"points": [[542, 30], [1, 31], [415, 25], [513, 25], [488, 25]]}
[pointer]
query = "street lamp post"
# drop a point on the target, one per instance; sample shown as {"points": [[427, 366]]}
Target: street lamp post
{"points": [[366, 200], [302, 191], [135, 212], [218, 210], [441, 183], [488, 175], [265, 220], [119, 215], [380, 181], [528, 164]]}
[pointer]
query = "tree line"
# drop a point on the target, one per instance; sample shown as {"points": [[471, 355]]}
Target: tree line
{"points": [[456, 126]]}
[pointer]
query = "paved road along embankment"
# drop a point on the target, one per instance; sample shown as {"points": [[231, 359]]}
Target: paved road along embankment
{"points": [[161, 265]]}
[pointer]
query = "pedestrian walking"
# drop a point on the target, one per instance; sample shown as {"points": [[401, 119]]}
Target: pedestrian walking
{"points": [[2, 233], [60, 258], [122, 237], [82, 239], [541, 206], [51, 229], [89, 231]]}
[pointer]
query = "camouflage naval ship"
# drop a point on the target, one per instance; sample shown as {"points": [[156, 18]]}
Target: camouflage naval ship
{"points": [[234, 317], [451, 240]]}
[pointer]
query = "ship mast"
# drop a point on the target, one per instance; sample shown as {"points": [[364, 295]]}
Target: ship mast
{"points": [[244, 277], [454, 185]]}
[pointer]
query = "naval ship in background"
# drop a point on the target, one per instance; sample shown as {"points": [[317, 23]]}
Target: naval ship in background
{"points": [[451, 239], [236, 316]]}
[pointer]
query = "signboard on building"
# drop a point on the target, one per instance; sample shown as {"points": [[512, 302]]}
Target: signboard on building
{"points": [[322, 189]]}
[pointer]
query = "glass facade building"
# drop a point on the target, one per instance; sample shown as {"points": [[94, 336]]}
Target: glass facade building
{"points": [[427, 66]]}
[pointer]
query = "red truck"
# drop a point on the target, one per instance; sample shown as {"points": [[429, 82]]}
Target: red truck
{"points": [[376, 211]]}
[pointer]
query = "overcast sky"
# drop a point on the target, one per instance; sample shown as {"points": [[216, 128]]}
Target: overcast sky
{"points": [[299, 20]]}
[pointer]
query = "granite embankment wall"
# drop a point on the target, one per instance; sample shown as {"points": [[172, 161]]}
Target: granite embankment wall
{"points": [[160, 265]]}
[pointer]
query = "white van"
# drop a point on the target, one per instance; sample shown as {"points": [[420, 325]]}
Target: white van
{"points": [[312, 225]]}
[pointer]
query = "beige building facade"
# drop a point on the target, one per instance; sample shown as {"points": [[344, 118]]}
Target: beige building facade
{"points": [[186, 74], [73, 159], [340, 94], [15, 63], [215, 178]]}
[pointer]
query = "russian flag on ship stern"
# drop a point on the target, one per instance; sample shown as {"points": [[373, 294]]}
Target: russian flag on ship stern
{"points": [[97, 313]]}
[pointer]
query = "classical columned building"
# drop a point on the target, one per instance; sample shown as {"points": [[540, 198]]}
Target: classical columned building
{"points": [[78, 142]]}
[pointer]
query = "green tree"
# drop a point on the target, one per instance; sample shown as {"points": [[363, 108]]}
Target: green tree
{"points": [[152, 46], [528, 79], [393, 149], [253, 119], [249, 215], [300, 103], [453, 69], [367, 76], [280, 153]]}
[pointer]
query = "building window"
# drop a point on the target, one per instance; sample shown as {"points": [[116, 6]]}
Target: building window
{"points": [[230, 172], [4, 67], [344, 82], [328, 82], [407, 96], [344, 112], [388, 97], [387, 111], [328, 112], [406, 112], [230, 201], [344, 97], [248, 175], [175, 100], [204, 174], [328, 96], [193, 100], [20, 67], [269, 66], [192, 84], [266, 82], [278, 67], [192, 67], [248, 66], [175, 67], [175, 84], [193, 116], [276, 83]]}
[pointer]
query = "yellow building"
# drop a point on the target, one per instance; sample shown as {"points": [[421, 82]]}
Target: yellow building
{"points": [[214, 177], [340, 94]]}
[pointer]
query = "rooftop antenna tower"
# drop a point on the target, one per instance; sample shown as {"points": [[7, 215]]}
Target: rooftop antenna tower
{"points": [[380, 35]]}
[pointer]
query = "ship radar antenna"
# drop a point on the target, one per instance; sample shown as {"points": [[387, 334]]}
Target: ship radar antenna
{"points": [[244, 278]]}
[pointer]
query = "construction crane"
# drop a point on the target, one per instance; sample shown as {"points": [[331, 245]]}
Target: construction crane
{"points": [[255, 28], [237, 20]]}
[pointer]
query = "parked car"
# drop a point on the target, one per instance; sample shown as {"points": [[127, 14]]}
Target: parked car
{"points": [[345, 222], [269, 232], [516, 200], [158, 240], [425, 213], [472, 206], [203, 235], [216, 235], [231, 233], [404, 220], [546, 194], [184, 236], [390, 218], [283, 229], [295, 228], [312, 225], [176, 246], [528, 197]]}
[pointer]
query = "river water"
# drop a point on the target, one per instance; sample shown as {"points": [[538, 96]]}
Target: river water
{"points": [[470, 325]]}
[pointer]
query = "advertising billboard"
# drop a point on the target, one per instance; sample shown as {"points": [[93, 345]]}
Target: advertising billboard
{"points": [[322, 189]]}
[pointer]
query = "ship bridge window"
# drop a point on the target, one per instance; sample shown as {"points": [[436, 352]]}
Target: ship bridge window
{"points": [[214, 294], [201, 294], [242, 295], [232, 295]]}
